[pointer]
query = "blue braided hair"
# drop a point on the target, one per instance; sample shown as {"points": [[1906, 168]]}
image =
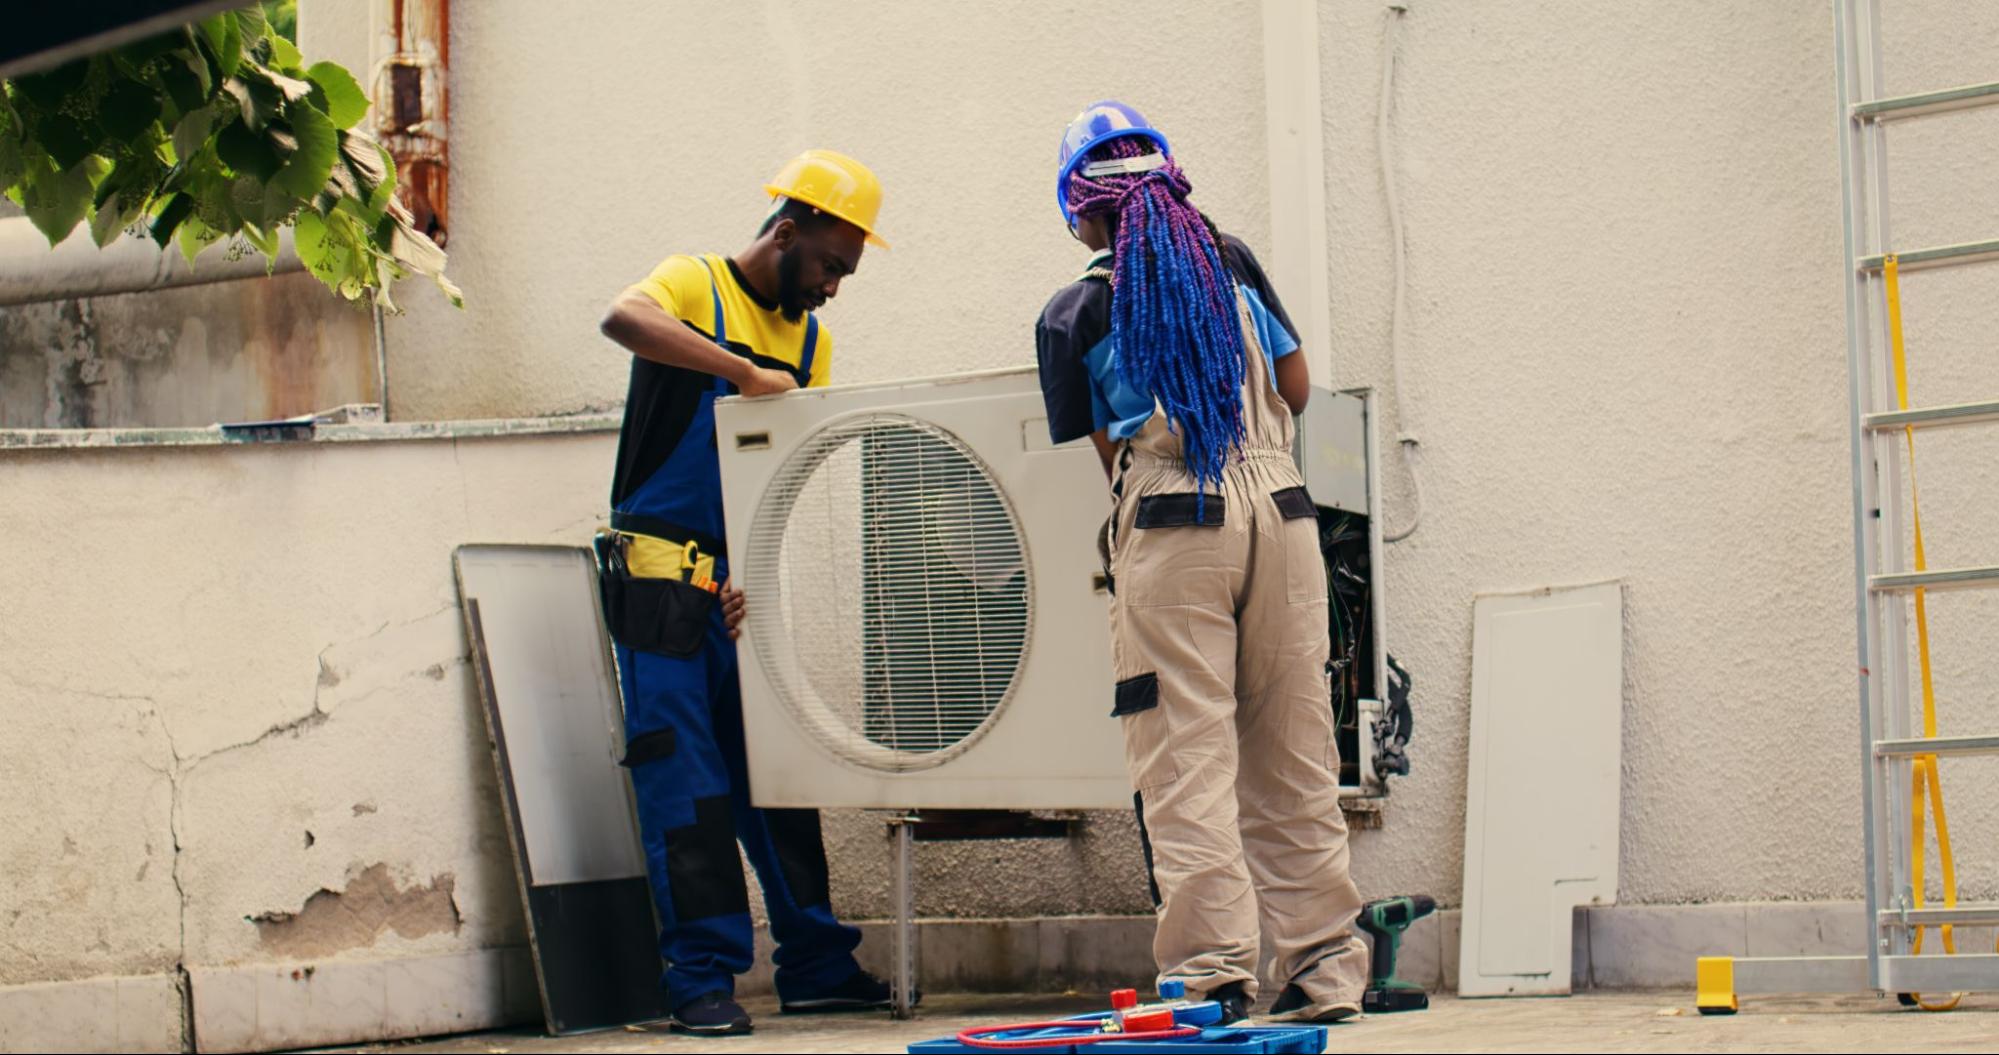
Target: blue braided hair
{"points": [[1173, 309]]}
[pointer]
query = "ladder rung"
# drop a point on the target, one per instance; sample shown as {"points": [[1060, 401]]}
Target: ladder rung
{"points": [[1938, 256], [1969, 973], [1962, 915], [1928, 102], [1950, 578], [1933, 417], [1987, 744]]}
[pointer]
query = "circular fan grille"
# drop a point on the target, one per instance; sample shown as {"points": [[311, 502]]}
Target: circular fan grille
{"points": [[890, 594]]}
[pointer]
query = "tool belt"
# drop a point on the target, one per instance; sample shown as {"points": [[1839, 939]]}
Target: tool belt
{"points": [[657, 594]]}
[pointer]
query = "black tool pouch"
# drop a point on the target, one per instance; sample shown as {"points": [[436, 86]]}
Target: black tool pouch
{"points": [[663, 616]]}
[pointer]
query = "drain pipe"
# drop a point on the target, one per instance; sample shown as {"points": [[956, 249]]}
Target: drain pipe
{"points": [[411, 118], [412, 63], [1399, 307]]}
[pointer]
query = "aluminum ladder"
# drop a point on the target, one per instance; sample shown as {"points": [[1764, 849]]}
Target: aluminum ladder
{"points": [[1885, 583]]}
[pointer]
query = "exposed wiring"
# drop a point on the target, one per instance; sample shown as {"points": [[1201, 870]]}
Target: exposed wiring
{"points": [[1406, 435]]}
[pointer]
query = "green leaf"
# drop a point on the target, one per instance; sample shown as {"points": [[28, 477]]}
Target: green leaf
{"points": [[340, 186], [56, 200], [373, 173], [129, 108], [265, 239], [114, 180], [65, 138], [385, 191], [290, 89], [51, 87], [177, 209], [309, 239], [450, 289], [215, 203], [346, 103], [252, 24], [194, 237], [248, 153], [197, 63], [224, 41], [285, 54], [185, 78], [12, 164], [306, 171], [258, 99], [192, 133], [105, 221], [412, 249], [283, 17], [257, 202]]}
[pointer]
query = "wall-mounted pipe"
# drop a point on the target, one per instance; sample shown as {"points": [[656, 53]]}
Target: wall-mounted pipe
{"points": [[32, 273], [412, 63]]}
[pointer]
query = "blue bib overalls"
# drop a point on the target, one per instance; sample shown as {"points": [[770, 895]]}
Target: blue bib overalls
{"points": [[685, 749]]}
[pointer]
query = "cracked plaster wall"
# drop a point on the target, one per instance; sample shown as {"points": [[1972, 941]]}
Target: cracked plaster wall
{"points": [[235, 702]]}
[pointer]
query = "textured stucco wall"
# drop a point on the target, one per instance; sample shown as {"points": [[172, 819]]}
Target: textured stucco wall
{"points": [[1626, 359], [590, 140]]}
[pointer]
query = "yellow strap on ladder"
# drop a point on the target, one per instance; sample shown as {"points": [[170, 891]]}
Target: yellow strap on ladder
{"points": [[1923, 771]]}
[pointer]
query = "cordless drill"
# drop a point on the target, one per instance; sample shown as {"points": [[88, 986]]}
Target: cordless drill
{"points": [[1384, 921]]}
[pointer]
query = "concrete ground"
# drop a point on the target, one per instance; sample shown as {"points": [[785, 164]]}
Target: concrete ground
{"points": [[1599, 1021]]}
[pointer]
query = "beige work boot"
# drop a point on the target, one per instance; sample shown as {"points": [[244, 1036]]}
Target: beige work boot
{"points": [[1294, 1006]]}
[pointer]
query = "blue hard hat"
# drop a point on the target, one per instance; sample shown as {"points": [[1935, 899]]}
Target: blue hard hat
{"points": [[1099, 123]]}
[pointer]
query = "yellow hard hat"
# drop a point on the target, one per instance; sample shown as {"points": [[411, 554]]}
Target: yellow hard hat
{"points": [[834, 183]]}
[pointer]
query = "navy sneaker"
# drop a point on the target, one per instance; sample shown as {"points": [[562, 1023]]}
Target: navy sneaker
{"points": [[711, 1015], [1234, 1001], [860, 992]]}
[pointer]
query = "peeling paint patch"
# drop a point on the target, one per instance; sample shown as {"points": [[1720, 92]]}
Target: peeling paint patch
{"points": [[334, 920]]}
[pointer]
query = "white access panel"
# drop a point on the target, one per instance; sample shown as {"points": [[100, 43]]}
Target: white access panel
{"points": [[1052, 743], [1333, 451], [1542, 797], [531, 614]]}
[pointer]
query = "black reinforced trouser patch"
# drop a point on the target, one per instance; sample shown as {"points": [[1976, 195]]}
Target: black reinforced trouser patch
{"points": [[703, 870], [1135, 694], [801, 855], [1145, 844]]}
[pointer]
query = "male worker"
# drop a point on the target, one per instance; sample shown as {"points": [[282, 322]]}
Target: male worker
{"points": [[700, 327]]}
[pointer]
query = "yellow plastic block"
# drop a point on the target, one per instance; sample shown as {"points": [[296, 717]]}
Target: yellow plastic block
{"points": [[1714, 985]]}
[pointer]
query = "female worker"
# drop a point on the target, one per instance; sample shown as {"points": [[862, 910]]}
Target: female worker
{"points": [[1173, 355]]}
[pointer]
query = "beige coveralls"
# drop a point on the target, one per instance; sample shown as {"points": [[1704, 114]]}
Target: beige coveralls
{"points": [[1219, 643]]}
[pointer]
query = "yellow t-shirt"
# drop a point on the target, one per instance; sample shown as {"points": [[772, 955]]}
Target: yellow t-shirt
{"points": [[752, 328]]}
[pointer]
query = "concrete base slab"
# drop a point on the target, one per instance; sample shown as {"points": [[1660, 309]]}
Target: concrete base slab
{"points": [[1635, 1022], [138, 1014]]}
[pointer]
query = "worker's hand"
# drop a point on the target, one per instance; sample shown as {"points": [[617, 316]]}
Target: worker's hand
{"points": [[732, 610], [762, 382]]}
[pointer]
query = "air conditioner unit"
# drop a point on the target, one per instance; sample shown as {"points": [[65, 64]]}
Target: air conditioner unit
{"points": [[927, 622]]}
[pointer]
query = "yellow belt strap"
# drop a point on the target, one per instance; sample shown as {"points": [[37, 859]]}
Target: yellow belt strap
{"points": [[1923, 771]]}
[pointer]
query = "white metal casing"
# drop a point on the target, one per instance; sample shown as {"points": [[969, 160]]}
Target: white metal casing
{"points": [[1052, 743]]}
